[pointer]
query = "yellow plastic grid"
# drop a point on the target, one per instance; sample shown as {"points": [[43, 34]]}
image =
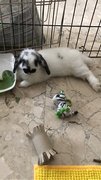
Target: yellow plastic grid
{"points": [[67, 172]]}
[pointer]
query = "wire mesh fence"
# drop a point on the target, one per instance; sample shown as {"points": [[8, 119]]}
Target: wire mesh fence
{"points": [[51, 23]]}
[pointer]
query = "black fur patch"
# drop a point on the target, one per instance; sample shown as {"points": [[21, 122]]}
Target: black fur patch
{"points": [[36, 62], [44, 64], [29, 71], [16, 65], [59, 56]]}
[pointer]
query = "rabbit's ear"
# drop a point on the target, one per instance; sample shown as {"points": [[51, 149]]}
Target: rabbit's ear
{"points": [[44, 64], [16, 65]]}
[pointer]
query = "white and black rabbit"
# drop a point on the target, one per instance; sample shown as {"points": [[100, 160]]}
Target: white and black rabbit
{"points": [[38, 66]]}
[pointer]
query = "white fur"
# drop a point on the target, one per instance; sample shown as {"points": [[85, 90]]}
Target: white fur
{"points": [[61, 62]]}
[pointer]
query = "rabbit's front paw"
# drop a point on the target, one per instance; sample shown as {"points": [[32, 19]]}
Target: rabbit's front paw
{"points": [[24, 84]]}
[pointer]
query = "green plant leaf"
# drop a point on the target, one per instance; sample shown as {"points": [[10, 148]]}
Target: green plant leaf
{"points": [[7, 79]]}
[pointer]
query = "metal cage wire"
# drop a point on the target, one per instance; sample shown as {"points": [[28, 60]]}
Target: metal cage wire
{"points": [[51, 23]]}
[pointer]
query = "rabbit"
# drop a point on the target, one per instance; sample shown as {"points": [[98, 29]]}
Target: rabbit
{"points": [[38, 66]]}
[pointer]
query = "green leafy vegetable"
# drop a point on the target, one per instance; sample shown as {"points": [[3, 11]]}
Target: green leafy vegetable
{"points": [[8, 80]]}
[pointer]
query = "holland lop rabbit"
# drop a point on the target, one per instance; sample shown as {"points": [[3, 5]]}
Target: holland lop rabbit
{"points": [[38, 66]]}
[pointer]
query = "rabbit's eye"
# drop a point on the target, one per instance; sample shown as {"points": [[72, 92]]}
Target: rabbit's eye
{"points": [[26, 71]]}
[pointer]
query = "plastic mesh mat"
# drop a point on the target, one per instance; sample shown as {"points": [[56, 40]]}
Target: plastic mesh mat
{"points": [[67, 172]]}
